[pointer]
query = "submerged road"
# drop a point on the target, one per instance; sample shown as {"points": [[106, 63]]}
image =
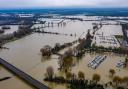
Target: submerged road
{"points": [[23, 75]]}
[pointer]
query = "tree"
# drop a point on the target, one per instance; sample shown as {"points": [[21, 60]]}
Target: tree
{"points": [[93, 45], [82, 44], [50, 72], [81, 75], [126, 61], [125, 80], [68, 53], [116, 80], [112, 72], [68, 75], [57, 46], [96, 77], [66, 63], [46, 51]]}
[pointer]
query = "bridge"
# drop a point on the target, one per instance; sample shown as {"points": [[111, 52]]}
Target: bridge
{"points": [[22, 75]]}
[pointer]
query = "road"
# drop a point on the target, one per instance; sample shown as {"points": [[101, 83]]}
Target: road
{"points": [[30, 80]]}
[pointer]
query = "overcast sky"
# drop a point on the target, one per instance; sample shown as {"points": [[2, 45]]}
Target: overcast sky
{"points": [[62, 3]]}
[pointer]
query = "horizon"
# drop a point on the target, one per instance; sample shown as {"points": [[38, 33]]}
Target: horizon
{"points": [[32, 8], [69, 11]]}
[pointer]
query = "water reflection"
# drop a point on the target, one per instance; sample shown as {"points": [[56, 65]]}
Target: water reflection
{"points": [[45, 58]]}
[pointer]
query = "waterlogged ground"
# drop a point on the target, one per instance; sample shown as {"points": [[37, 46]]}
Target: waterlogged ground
{"points": [[25, 54], [11, 30]]}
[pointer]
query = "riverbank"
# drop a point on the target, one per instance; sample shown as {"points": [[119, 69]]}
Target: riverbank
{"points": [[20, 33]]}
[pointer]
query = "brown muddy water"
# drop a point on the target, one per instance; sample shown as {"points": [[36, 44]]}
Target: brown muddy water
{"points": [[25, 55]]}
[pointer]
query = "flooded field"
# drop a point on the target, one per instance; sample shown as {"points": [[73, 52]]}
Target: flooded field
{"points": [[25, 54], [11, 30]]}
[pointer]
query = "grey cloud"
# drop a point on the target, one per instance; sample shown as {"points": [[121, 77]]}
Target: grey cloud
{"points": [[62, 3]]}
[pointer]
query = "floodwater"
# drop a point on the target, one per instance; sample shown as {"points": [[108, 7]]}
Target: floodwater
{"points": [[11, 30], [25, 55]]}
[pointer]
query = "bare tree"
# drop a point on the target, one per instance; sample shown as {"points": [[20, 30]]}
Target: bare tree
{"points": [[81, 75], [68, 75], [116, 80], [50, 72], [125, 80], [96, 77], [112, 72]]}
